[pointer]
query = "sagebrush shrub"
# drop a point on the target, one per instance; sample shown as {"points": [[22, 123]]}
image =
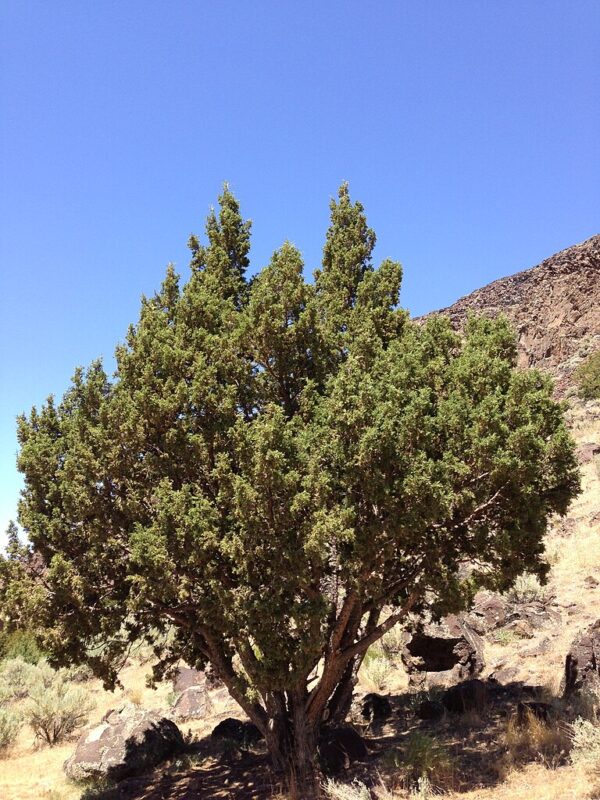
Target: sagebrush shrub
{"points": [[17, 678], [346, 791], [527, 589], [10, 724], [57, 710], [585, 736], [375, 672]]}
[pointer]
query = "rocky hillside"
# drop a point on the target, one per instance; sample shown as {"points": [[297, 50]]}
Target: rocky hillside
{"points": [[555, 308]]}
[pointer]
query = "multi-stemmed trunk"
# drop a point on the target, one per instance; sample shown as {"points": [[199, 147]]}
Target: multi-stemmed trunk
{"points": [[293, 750]]}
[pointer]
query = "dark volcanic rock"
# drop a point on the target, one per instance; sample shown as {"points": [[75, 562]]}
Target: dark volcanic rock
{"points": [[376, 708], [466, 696], [582, 664], [451, 649], [242, 732], [488, 613], [554, 308], [339, 748], [128, 742]]}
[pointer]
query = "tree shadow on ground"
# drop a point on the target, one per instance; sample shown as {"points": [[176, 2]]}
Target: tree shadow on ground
{"points": [[475, 741]]}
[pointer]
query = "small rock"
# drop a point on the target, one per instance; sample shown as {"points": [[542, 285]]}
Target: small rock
{"points": [[590, 582]]}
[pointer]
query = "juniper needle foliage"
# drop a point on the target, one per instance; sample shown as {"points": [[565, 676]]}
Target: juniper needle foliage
{"points": [[274, 462]]}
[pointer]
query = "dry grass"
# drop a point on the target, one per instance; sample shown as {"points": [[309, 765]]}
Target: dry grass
{"points": [[535, 740], [536, 782]]}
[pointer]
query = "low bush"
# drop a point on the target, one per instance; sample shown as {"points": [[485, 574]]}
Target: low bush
{"points": [[20, 644], [375, 672], [57, 710], [423, 762], [356, 790], [10, 724], [587, 377], [527, 589], [17, 678], [585, 737]]}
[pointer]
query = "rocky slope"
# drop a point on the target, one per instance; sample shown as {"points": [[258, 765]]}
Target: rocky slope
{"points": [[554, 307]]}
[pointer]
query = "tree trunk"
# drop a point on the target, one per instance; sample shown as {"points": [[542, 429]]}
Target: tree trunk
{"points": [[292, 745], [341, 700]]}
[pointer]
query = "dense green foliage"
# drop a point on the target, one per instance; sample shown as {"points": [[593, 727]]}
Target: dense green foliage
{"points": [[273, 463], [588, 377]]}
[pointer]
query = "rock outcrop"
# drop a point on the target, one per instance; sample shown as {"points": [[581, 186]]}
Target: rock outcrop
{"points": [[582, 664], [554, 307], [443, 653]]}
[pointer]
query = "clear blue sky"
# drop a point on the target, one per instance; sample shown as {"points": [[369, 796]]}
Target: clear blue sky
{"points": [[469, 130]]}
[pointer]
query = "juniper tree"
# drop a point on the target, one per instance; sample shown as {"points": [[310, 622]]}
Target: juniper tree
{"points": [[279, 471]]}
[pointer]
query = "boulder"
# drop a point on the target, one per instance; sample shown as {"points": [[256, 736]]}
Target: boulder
{"points": [[338, 748], [243, 732], [449, 651], [193, 703], [186, 677], [582, 664], [128, 741], [376, 708], [467, 696]]}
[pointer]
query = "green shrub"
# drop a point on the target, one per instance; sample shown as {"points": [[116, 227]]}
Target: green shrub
{"points": [[56, 710], [10, 724], [17, 678], [424, 762], [20, 644], [588, 377], [526, 589]]}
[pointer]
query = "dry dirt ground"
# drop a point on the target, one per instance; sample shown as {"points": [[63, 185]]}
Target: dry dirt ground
{"points": [[485, 763]]}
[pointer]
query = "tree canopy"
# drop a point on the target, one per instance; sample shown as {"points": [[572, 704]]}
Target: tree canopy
{"points": [[280, 470]]}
